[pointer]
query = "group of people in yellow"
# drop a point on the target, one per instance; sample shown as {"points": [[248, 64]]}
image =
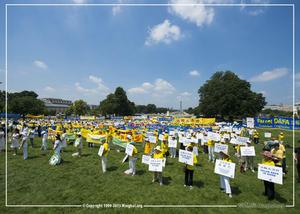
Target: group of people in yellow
{"points": [[157, 149]]}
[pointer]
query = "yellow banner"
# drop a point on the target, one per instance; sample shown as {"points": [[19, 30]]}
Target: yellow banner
{"points": [[194, 121]]}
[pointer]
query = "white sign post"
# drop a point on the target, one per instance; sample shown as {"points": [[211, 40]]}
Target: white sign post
{"points": [[101, 149], [219, 147], [146, 159], [155, 165], [186, 157], [270, 173], [129, 149], [250, 122], [247, 151], [225, 168]]}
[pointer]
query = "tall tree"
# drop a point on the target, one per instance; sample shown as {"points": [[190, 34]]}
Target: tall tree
{"points": [[226, 95]]}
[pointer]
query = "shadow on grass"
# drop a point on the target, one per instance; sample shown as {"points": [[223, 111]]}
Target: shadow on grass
{"points": [[140, 172], [167, 180], [33, 157], [112, 168], [85, 155], [280, 199], [235, 190], [198, 184]]}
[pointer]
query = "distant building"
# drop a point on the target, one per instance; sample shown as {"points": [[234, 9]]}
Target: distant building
{"points": [[92, 107], [281, 107], [57, 105]]}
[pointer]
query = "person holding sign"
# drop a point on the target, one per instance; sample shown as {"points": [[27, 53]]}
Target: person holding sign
{"points": [[132, 157], [277, 155], [249, 160], [147, 147], [269, 186], [172, 145], [189, 169], [224, 180], [158, 154], [282, 148], [103, 153]]}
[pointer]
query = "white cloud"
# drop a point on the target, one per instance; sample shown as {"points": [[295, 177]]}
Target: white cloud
{"points": [[270, 75], [164, 32], [100, 89], [49, 89], [198, 14], [194, 73], [185, 94], [40, 64], [160, 87], [79, 1], [254, 11], [297, 79]]}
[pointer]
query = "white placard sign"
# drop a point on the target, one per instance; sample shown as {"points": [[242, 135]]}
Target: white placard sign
{"points": [[182, 139], [213, 136], [146, 159], [219, 147], [270, 173], [187, 142], [101, 149], [226, 136], [242, 140], [155, 165], [172, 143], [186, 157], [225, 168], [129, 149], [195, 150], [200, 136], [171, 133], [247, 151], [250, 122], [164, 162], [268, 134], [161, 137], [152, 139]]}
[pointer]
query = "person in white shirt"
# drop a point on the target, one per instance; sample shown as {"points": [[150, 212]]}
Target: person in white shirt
{"points": [[57, 145], [2, 138], [64, 140], [44, 146], [15, 141], [24, 141], [31, 136], [78, 145]]}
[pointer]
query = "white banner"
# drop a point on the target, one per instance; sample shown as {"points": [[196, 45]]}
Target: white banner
{"points": [[172, 143], [225, 168], [101, 149], [186, 157], [155, 165], [152, 139], [270, 173], [250, 122], [146, 159], [268, 134], [219, 147], [247, 151], [129, 149]]}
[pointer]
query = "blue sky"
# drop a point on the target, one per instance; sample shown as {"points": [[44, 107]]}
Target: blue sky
{"points": [[158, 55]]}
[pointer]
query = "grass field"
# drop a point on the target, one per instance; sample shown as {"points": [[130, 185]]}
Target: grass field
{"points": [[80, 181]]}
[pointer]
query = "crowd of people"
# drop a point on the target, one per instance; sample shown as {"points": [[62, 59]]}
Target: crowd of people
{"points": [[22, 134]]}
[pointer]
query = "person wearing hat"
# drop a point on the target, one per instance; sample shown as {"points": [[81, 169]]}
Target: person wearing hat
{"points": [[78, 144], [224, 180], [269, 186], [189, 169], [158, 154], [104, 155]]}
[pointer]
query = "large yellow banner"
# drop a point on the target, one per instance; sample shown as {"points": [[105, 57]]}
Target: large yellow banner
{"points": [[194, 121]]}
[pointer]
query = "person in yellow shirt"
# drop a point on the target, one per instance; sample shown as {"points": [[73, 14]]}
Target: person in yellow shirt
{"points": [[211, 150], [281, 137], [189, 169], [164, 147], [158, 154], [282, 148], [224, 180], [147, 148], [269, 186], [255, 136], [104, 155], [277, 155]]}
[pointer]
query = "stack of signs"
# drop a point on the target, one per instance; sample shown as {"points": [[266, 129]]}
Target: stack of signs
{"points": [[268, 134], [225, 168], [155, 165], [186, 157], [101, 149], [219, 147], [129, 149], [152, 139], [247, 151], [270, 173], [146, 159], [172, 143], [242, 140]]}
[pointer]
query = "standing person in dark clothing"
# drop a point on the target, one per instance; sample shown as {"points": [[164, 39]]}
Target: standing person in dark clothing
{"points": [[297, 159]]}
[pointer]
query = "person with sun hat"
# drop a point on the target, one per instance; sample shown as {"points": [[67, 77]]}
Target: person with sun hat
{"points": [[158, 154], [224, 180]]}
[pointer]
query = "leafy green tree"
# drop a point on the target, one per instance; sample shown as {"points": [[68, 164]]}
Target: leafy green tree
{"points": [[80, 107], [226, 95], [26, 105]]}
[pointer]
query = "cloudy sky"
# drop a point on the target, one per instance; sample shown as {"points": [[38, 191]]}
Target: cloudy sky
{"points": [[159, 54]]}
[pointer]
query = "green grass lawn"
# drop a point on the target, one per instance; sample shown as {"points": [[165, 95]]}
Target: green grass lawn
{"points": [[80, 181]]}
